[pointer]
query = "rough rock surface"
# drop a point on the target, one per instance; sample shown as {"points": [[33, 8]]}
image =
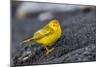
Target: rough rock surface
{"points": [[77, 43]]}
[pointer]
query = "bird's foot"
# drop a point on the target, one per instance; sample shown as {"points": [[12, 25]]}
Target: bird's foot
{"points": [[50, 50]]}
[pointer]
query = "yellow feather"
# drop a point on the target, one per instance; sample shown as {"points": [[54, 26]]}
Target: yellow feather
{"points": [[48, 35]]}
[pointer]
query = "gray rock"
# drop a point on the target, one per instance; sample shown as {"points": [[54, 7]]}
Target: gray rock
{"points": [[77, 43]]}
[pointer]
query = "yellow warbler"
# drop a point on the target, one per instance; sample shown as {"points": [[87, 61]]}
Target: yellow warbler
{"points": [[47, 35]]}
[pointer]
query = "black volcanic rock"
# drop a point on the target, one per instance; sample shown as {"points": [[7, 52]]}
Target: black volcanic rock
{"points": [[77, 43]]}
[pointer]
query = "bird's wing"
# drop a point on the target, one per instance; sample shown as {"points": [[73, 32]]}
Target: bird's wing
{"points": [[42, 33]]}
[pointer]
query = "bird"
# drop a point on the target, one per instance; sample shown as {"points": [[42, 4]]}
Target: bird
{"points": [[47, 35]]}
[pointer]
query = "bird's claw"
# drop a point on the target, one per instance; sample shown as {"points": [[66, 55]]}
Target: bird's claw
{"points": [[50, 50]]}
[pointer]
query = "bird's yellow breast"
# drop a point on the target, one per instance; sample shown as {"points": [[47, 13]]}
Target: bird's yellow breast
{"points": [[50, 39]]}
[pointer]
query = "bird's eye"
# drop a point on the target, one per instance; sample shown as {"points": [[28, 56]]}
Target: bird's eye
{"points": [[54, 25]]}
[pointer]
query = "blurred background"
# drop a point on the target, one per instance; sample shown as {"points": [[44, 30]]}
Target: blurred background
{"points": [[28, 17]]}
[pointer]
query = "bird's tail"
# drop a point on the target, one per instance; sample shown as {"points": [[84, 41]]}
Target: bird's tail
{"points": [[30, 40]]}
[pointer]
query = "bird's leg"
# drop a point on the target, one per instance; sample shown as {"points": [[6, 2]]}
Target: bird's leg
{"points": [[48, 50]]}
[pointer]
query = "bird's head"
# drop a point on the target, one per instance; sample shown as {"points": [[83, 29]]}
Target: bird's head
{"points": [[54, 24]]}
